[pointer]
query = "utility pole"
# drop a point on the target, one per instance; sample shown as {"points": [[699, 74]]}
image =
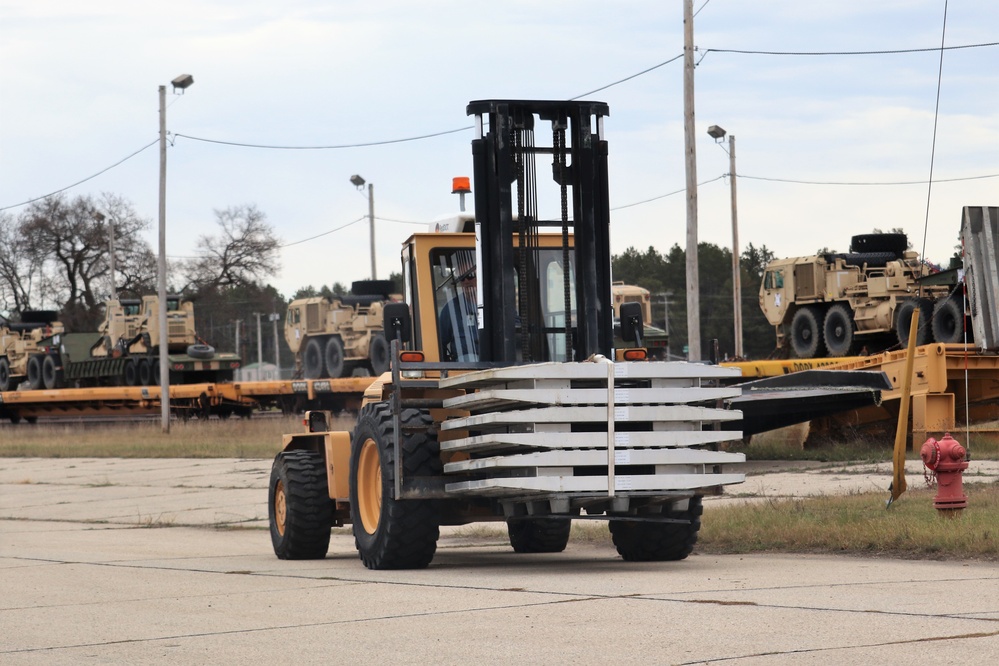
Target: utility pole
{"points": [[736, 271], [161, 282], [693, 283], [371, 224], [238, 322], [260, 345], [277, 352]]}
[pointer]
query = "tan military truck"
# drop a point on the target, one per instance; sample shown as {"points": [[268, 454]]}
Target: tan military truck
{"points": [[836, 304], [654, 339], [333, 338], [21, 347], [125, 351]]}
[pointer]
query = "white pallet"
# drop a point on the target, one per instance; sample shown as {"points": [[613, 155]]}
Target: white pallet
{"points": [[595, 458], [595, 371], [646, 483], [510, 397], [592, 440], [595, 414]]}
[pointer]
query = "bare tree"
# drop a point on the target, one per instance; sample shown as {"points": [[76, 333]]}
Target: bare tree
{"points": [[244, 253], [17, 269], [70, 243]]}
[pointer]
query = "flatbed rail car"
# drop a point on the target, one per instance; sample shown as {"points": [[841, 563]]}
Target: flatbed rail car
{"points": [[187, 400]]}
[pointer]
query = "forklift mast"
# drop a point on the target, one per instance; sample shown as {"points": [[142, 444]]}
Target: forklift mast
{"points": [[514, 294]]}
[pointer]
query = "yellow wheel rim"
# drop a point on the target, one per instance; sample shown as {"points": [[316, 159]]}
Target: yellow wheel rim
{"points": [[369, 486], [280, 508]]}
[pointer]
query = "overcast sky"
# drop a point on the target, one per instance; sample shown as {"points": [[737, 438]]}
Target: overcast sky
{"points": [[78, 92]]}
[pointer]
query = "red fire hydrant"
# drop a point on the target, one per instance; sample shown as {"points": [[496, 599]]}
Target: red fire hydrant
{"points": [[946, 458]]}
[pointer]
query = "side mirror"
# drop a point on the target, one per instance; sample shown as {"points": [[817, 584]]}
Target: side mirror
{"points": [[397, 322], [631, 323]]}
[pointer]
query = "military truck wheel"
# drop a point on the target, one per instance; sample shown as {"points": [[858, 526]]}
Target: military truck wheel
{"points": [[155, 365], [35, 373], [130, 375], [903, 320], [4, 374], [658, 542], [538, 535], [838, 330], [334, 356], [390, 533], [50, 374], [806, 334], [299, 507], [379, 355], [312, 359], [948, 321], [145, 372]]}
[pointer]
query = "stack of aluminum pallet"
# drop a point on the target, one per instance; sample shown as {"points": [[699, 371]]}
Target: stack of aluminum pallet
{"points": [[597, 428]]}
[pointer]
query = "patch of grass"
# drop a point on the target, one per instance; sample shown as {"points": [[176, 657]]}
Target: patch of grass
{"points": [[232, 438], [859, 524]]}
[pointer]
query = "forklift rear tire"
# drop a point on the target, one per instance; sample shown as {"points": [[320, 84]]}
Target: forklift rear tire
{"points": [[658, 542], [539, 535], [299, 507], [392, 533]]}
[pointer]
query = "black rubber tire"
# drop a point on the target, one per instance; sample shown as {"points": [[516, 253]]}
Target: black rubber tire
{"points": [[155, 365], [539, 535], [948, 321], [35, 380], [334, 356], [379, 354], [372, 288], [838, 330], [806, 332], [201, 351], [145, 372], [391, 533], [4, 374], [658, 542], [312, 359], [130, 374], [903, 319], [299, 507], [50, 373]]}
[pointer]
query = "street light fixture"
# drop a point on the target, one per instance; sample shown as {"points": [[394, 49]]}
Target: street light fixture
{"points": [[358, 182], [718, 134], [182, 82]]}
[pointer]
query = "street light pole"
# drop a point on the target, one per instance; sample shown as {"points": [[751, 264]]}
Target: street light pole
{"points": [[371, 225], [182, 82], [358, 182], [718, 134], [161, 281], [736, 272]]}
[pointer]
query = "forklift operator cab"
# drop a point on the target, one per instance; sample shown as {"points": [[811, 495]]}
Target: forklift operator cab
{"points": [[455, 306]]}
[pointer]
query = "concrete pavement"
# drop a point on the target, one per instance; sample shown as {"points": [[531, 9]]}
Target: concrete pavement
{"points": [[161, 561]]}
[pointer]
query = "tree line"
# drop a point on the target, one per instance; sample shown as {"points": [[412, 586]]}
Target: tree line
{"points": [[665, 275]]}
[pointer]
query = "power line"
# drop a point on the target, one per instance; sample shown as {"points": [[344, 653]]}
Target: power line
{"points": [[627, 78], [333, 147], [325, 233], [80, 182], [663, 196], [899, 182], [933, 49]]}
